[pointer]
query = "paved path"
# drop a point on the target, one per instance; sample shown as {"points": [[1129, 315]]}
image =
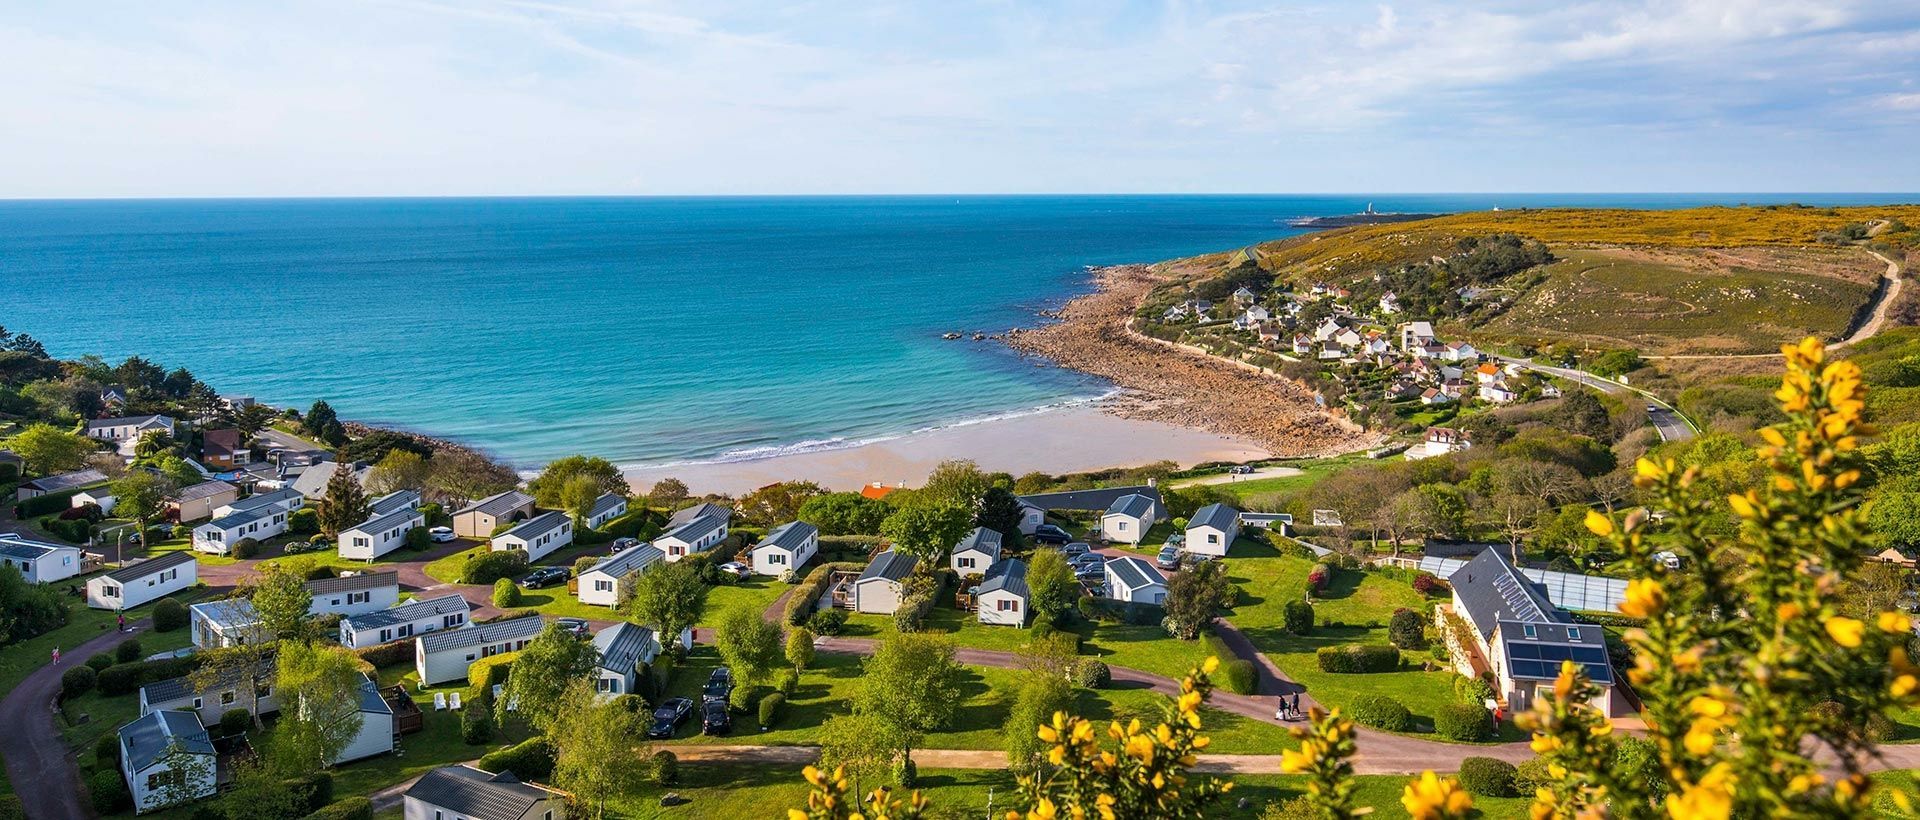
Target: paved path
{"points": [[39, 764], [1229, 478], [1669, 422]]}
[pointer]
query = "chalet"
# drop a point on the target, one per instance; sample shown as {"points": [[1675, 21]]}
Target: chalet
{"points": [[38, 561], [1499, 393], [444, 655], [1328, 328], [1348, 338], [879, 589], [1432, 395], [1269, 332], [61, 483], [200, 500], [357, 594], [1454, 389], [976, 552], [256, 521], [229, 690], [1401, 391], [445, 612], [377, 731], [1132, 579], [126, 431], [607, 583], [1035, 507], [166, 757], [606, 508], [625, 649], [1430, 350], [464, 793], [1441, 441], [488, 514], [223, 623], [1128, 518], [695, 529], [1002, 596], [141, 583], [1244, 295], [786, 549], [224, 449], [1376, 344], [385, 531], [1303, 345], [1519, 637], [538, 536], [393, 502], [1174, 313], [1460, 352], [1211, 530]]}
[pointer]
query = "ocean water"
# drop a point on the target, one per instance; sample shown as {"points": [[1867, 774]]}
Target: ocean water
{"points": [[646, 330]]}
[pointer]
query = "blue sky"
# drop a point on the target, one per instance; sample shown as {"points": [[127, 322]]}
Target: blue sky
{"points": [[456, 97]]}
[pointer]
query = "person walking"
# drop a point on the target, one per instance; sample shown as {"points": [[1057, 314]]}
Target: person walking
{"points": [[56, 654], [1295, 706], [122, 616], [1280, 709]]}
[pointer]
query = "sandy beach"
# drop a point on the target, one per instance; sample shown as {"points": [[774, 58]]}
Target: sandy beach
{"points": [[1067, 440]]}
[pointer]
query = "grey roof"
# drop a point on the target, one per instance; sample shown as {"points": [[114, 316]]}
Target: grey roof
{"points": [[382, 523], [277, 497], [239, 518], [1449, 548], [704, 509], [370, 700], [1492, 591], [11, 456], [606, 504], [477, 634], [1099, 499], [410, 611], [182, 687], [789, 536], [22, 549], [620, 646], [93, 424], [1135, 572], [1009, 575], [891, 565], [148, 738], [354, 583], [1217, 516], [629, 559], [227, 613], [536, 526], [982, 539], [1135, 505], [1567, 590], [393, 502], [696, 521], [151, 566], [205, 489], [498, 505], [1538, 656], [67, 481], [476, 795]]}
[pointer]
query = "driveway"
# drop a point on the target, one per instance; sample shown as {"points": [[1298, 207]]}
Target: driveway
{"points": [[1229, 478]]}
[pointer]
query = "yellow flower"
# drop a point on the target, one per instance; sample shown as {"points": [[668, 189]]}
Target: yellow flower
{"points": [[1292, 762], [1895, 622], [1430, 798], [1709, 799], [1743, 506], [1904, 685], [1212, 663], [1645, 598], [1599, 524], [1788, 611], [1846, 632]]}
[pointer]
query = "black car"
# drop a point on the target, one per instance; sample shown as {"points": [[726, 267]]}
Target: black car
{"points": [[545, 576], [578, 627], [714, 719], [1050, 534], [667, 718], [719, 685]]}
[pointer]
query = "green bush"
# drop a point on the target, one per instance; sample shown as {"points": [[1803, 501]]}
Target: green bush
{"points": [[770, 708], [1239, 676], [75, 531], [435, 514], [1092, 674], [911, 614], [1476, 691], [100, 662], [246, 548], [127, 678], [746, 699], [387, 655], [1532, 775], [789, 683], [352, 808], [303, 521], [419, 538], [492, 566], [108, 792], [665, 767], [1358, 658], [169, 615], [1487, 777], [505, 594], [806, 596], [48, 504], [1382, 712], [1466, 722], [905, 772], [827, 622], [484, 673], [235, 722], [530, 760], [1406, 629], [77, 681], [127, 651], [1297, 617], [476, 723], [106, 751], [316, 789]]}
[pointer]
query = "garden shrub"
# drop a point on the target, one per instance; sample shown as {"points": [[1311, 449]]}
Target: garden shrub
{"points": [[75, 531], [1318, 577], [108, 792], [1382, 712], [905, 773], [352, 808], [530, 760], [48, 504], [770, 708], [1406, 629], [246, 548], [320, 571], [127, 651], [1358, 658], [1092, 674], [1487, 777], [492, 566], [484, 673], [1465, 722], [100, 662], [827, 622], [789, 683], [476, 723], [106, 751], [1532, 775], [235, 722], [505, 594], [666, 768], [303, 521], [169, 615], [1239, 676], [387, 655], [584, 563], [419, 538], [1476, 691], [911, 615], [745, 699], [84, 512], [1297, 617], [316, 789], [77, 681]]}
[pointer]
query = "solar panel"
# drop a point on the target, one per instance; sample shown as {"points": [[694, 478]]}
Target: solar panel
{"points": [[1588, 654], [1566, 590]]}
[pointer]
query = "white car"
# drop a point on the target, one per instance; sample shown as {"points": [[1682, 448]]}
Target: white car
{"points": [[735, 568], [441, 534]]}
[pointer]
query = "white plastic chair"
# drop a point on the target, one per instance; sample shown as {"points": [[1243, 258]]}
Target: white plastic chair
{"points": [[439, 701], [453, 701], [499, 691]]}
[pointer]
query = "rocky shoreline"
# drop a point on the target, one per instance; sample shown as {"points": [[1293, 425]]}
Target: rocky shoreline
{"points": [[1165, 384]]}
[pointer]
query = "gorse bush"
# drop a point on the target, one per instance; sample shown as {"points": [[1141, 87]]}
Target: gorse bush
{"points": [[1382, 712]]}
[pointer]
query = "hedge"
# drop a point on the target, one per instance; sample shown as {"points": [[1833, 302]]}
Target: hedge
{"points": [[636, 521], [387, 655], [827, 622], [77, 681], [770, 708], [476, 723], [1613, 619], [246, 548], [1358, 658], [530, 760], [484, 673], [1487, 777], [806, 596], [100, 662], [75, 531], [492, 566], [1476, 691], [108, 792], [169, 615], [1465, 722], [1239, 676], [352, 808], [316, 789], [1092, 674], [127, 678], [665, 767], [48, 504], [1382, 712], [911, 614], [1406, 629], [303, 521]]}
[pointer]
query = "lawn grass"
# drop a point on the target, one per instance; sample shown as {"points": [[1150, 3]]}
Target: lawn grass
{"points": [[20, 659]]}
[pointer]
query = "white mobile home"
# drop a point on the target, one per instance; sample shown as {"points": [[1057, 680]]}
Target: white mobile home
{"points": [[606, 583], [381, 534], [1133, 579], [879, 587], [229, 691], [693, 530], [166, 758], [465, 793], [350, 595], [605, 509], [1002, 598], [223, 623], [445, 655], [144, 582], [539, 535], [257, 517], [976, 552], [1127, 519], [404, 621], [38, 561], [789, 547], [624, 650], [376, 726], [1211, 530]]}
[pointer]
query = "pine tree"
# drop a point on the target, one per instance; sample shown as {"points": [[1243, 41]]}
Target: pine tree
{"points": [[345, 503]]}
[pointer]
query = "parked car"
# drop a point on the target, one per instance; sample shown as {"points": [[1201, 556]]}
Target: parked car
{"points": [[1240, 469], [623, 544], [1076, 549], [545, 576], [736, 569], [1169, 557], [719, 685], [1090, 559], [1653, 408], [578, 626], [1091, 572], [1051, 534], [715, 720], [667, 718], [441, 535]]}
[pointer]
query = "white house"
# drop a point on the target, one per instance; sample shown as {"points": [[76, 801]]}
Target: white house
{"points": [[223, 623], [606, 508], [1211, 530], [1441, 441], [788, 547], [312, 479], [1519, 636], [1002, 598], [695, 529], [480, 519], [166, 757], [101, 497], [357, 594], [1499, 393], [38, 561], [1414, 335], [1127, 519], [126, 431], [376, 726], [228, 691], [624, 649], [976, 552], [257, 517], [878, 589], [143, 582], [444, 656], [1034, 507], [606, 583], [539, 535], [404, 621], [393, 502], [1460, 352], [1267, 521], [381, 534], [1133, 579], [465, 793]]}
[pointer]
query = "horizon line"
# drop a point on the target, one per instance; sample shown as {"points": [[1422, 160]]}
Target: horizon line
{"points": [[939, 195]]}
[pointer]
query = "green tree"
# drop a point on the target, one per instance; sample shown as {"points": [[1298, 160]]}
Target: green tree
{"points": [[542, 674], [910, 686], [319, 692], [152, 443], [1194, 597], [182, 775], [748, 643], [323, 424], [141, 496], [1000, 511], [282, 600], [669, 598], [1438, 510], [176, 470], [777, 504], [398, 470], [1051, 587], [1895, 518], [1034, 705], [546, 488], [958, 482], [927, 530], [344, 504], [464, 475], [48, 449], [595, 745], [844, 514], [857, 744], [667, 492], [253, 418], [1582, 413], [578, 495], [799, 648]]}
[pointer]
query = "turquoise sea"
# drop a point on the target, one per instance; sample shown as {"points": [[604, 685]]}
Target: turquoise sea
{"points": [[646, 330]]}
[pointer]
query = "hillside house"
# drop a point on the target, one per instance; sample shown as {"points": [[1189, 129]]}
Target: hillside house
{"points": [[224, 449], [1440, 441], [125, 432]]}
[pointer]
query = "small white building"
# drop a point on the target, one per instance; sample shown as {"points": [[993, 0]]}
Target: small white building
{"points": [[143, 582], [605, 509], [444, 656], [381, 534], [1133, 579], [693, 530], [625, 649], [1211, 530], [1440, 441], [38, 561], [788, 547], [101, 497], [404, 621], [465, 793], [166, 758], [878, 590], [1127, 519], [539, 535], [228, 691], [1002, 598], [258, 517], [223, 623], [357, 594], [607, 583], [1460, 352], [976, 552], [376, 726], [125, 432]]}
